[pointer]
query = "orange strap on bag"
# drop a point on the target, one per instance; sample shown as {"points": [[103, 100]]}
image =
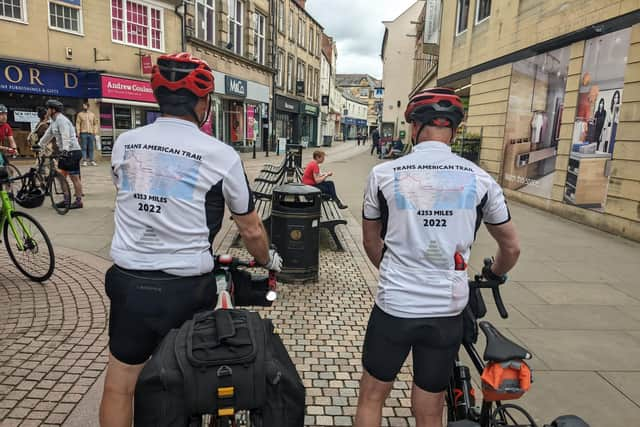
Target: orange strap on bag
{"points": [[506, 381]]}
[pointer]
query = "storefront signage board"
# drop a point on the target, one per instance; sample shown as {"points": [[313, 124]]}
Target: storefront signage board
{"points": [[289, 105], [309, 109], [432, 22], [40, 80], [235, 87], [146, 63], [127, 89]]}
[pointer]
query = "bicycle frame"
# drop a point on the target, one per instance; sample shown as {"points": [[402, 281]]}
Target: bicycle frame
{"points": [[5, 216]]}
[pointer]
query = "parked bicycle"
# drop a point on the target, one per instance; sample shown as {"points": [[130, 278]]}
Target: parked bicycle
{"points": [[27, 242], [51, 181], [504, 372]]}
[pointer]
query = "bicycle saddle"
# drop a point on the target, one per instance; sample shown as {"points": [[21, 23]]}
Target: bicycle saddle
{"points": [[499, 348]]}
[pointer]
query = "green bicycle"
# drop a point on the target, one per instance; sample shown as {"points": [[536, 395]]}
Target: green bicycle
{"points": [[26, 241]]}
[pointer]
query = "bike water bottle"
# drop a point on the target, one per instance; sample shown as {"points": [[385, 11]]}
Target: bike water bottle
{"points": [[464, 395]]}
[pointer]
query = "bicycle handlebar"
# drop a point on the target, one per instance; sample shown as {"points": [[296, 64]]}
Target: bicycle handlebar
{"points": [[481, 282], [233, 263]]}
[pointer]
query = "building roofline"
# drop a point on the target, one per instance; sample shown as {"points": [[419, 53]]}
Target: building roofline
{"points": [[309, 15]]}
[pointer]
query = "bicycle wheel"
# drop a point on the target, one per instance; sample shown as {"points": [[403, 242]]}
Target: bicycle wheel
{"points": [[14, 172], [29, 246], [510, 415], [59, 193]]}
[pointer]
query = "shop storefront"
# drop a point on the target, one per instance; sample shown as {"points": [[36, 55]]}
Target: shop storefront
{"points": [[535, 118], [24, 87], [286, 120], [125, 104], [237, 109], [351, 126], [309, 124]]}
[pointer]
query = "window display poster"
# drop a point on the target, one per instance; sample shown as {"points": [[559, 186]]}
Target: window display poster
{"points": [[251, 121], [534, 114], [236, 122], [596, 122]]}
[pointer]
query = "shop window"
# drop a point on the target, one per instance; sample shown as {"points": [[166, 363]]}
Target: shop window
{"points": [[14, 10], [310, 82], [66, 17], [291, 24], [301, 28], [300, 84], [136, 24], [483, 10], [236, 8], [280, 68], [206, 20], [281, 16], [462, 18], [258, 37], [290, 67]]}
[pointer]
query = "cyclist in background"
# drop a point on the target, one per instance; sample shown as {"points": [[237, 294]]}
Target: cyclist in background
{"points": [[421, 214], [173, 182], [6, 136], [64, 133]]}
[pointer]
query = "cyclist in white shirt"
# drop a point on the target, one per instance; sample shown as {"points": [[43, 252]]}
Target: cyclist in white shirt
{"points": [[173, 182], [421, 214]]}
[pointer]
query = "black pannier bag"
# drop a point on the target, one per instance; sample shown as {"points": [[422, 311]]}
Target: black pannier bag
{"points": [[475, 309], [286, 402], [213, 364], [193, 369]]}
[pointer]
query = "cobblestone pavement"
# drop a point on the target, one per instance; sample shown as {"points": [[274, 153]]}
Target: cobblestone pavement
{"points": [[323, 325], [52, 341]]}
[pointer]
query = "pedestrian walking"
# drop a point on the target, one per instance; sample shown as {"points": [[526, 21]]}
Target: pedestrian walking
{"points": [[359, 137], [375, 140], [87, 128]]}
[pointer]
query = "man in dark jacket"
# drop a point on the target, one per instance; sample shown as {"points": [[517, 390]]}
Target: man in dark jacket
{"points": [[375, 138]]}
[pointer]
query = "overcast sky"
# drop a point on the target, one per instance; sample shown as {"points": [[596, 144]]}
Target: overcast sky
{"points": [[356, 25]]}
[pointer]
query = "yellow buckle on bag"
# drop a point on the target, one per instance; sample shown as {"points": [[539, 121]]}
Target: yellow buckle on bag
{"points": [[226, 412], [225, 392]]}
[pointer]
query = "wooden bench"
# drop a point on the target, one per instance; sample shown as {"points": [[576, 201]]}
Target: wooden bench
{"points": [[330, 217]]}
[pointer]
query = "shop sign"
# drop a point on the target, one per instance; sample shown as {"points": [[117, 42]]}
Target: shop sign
{"points": [[127, 89], [378, 92], [39, 80], [25, 116], [309, 109], [286, 104], [235, 87], [432, 23], [147, 65]]}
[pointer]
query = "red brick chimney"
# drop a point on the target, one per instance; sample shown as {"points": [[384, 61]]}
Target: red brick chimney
{"points": [[301, 3]]}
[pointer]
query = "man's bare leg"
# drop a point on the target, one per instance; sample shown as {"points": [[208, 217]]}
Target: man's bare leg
{"points": [[116, 408]]}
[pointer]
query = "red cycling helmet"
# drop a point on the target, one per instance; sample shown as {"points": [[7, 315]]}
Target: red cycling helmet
{"points": [[439, 107], [183, 71]]}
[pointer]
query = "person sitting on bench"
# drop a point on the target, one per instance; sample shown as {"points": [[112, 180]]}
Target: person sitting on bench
{"points": [[312, 176]]}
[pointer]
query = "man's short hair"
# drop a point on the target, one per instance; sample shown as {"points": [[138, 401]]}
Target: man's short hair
{"points": [[318, 153]]}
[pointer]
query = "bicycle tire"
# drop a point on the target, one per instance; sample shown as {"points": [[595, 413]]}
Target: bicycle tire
{"points": [[21, 222], [59, 193], [504, 416], [14, 172]]}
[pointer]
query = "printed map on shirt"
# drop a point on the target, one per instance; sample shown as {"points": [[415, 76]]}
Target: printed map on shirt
{"points": [[160, 174], [438, 190]]}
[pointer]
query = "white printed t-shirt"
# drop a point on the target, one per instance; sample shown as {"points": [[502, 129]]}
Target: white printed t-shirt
{"points": [[173, 183], [431, 204]]}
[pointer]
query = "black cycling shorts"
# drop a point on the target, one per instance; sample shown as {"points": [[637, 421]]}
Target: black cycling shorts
{"points": [[434, 341], [146, 305], [69, 162]]}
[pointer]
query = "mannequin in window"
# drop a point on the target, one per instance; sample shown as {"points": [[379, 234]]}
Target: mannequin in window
{"points": [[609, 133], [599, 117]]}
